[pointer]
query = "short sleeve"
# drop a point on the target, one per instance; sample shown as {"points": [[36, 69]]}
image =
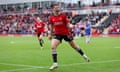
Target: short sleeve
{"points": [[66, 19]]}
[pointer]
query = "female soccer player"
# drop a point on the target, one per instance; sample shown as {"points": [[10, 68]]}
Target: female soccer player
{"points": [[59, 26], [88, 31], [39, 28]]}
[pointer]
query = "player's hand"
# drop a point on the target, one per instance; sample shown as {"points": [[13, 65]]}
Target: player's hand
{"points": [[49, 37], [71, 26], [35, 29]]}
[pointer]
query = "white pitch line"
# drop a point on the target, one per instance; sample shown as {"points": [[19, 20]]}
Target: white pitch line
{"points": [[97, 62], [14, 70], [36, 67], [117, 47], [23, 65]]}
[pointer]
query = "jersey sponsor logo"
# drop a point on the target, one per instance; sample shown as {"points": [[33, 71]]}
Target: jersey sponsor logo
{"points": [[58, 23], [39, 26]]}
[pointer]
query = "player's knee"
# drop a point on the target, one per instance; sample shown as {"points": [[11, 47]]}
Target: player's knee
{"points": [[53, 47], [74, 46], [40, 38]]}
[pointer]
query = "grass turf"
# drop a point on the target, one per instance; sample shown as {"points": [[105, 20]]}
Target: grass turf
{"points": [[23, 54]]}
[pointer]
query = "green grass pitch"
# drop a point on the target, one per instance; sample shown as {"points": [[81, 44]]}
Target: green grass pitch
{"points": [[23, 54]]}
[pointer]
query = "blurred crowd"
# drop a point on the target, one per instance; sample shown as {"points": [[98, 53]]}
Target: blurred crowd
{"points": [[115, 25], [94, 20], [19, 24], [34, 7], [24, 23]]}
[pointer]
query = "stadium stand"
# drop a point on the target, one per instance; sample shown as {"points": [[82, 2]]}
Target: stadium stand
{"points": [[19, 19], [114, 26]]}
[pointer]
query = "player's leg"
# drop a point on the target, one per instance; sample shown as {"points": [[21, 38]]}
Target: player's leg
{"points": [[88, 37], [76, 47], [41, 40], [55, 43], [38, 35], [79, 50]]}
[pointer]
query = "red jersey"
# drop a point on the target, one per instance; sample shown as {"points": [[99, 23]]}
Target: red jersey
{"points": [[39, 27], [59, 24]]}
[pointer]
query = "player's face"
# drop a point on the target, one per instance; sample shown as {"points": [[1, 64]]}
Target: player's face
{"points": [[56, 8], [38, 19]]}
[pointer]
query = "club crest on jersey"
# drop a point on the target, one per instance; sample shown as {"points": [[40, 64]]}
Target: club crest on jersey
{"points": [[53, 20], [60, 18]]}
